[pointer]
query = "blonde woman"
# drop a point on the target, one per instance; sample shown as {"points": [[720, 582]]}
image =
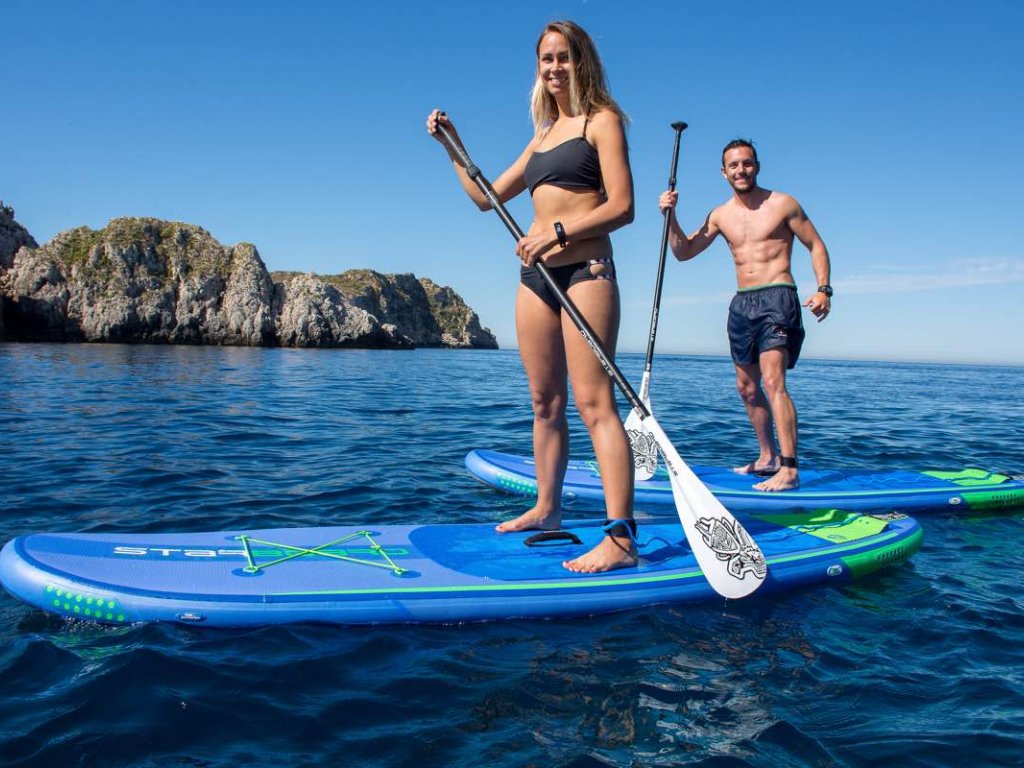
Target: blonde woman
{"points": [[576, 169]]}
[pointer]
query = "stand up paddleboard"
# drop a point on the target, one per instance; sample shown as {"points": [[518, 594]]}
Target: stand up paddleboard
{"points": [[853, 489], [419, 573]]}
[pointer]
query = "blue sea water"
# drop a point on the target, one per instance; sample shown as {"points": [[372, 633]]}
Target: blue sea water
{"points": [[919, 665]]}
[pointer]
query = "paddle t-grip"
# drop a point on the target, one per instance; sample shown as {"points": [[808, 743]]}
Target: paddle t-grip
{"points": [[678, 127]]}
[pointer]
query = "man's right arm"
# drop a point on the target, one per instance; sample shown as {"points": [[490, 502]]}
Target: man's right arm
{"points": [[685, 248]]}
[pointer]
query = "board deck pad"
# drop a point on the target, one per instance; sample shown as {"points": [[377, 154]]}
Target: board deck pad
{"points": [[439, 573], [976, 490]]}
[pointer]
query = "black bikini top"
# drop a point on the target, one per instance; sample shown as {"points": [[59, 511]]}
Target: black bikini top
{"points": [[573, 164]]}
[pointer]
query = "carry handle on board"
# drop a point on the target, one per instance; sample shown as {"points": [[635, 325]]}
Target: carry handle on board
{"points": [[730, 559]]}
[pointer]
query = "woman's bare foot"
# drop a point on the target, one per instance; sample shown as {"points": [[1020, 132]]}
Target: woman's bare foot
{"points": [[610, 553], [785, 479], [532, 520]]}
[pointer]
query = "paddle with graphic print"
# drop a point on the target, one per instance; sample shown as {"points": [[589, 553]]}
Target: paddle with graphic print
{"points": [[730, 559], [645, 449]]}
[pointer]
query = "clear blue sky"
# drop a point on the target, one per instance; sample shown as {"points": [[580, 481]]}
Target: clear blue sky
{"points": [[299, 127]]}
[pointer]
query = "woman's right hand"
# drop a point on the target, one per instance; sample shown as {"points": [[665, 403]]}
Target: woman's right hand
{"points": [[668, 200], [437, 116]]}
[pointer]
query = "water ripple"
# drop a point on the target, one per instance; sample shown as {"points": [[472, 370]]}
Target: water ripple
{"points": [[917, 665]]}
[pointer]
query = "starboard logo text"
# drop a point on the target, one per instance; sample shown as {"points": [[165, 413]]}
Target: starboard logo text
{"points": [[172, 551], [256, 552]]}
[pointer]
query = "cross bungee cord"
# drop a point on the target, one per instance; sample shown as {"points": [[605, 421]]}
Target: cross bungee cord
{"points": [[322, 550]]}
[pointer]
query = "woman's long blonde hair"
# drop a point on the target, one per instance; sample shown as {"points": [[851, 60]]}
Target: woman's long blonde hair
{"points": [[588, 88]]}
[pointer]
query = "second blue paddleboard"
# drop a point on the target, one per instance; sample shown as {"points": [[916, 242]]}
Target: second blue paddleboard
{"points": [[853, 489]]}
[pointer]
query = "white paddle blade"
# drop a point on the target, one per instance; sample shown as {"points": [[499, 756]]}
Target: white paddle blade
{"points": [[731, 560], [645, 448]]}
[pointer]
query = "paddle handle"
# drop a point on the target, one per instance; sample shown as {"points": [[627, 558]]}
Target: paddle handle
{"points": [[678, 127], [589, 336]]}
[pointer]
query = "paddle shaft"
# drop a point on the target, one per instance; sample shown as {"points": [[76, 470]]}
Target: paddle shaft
{"points": [[679, 128], [584, 327]]}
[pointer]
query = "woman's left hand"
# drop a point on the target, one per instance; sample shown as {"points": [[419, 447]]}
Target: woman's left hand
{"points": [[533, 248]]}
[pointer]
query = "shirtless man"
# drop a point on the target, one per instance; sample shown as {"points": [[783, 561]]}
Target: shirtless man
{"points": [[765, 328]]}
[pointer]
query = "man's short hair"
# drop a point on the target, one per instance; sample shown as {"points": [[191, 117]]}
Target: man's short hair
{"points": [[740, 143]]}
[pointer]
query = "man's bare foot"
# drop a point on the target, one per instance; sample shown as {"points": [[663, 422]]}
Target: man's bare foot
{"points": [[785, 479], [610, 553], [532, 520], [764, 469]]}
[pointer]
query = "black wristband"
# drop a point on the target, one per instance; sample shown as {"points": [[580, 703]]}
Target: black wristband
{"points": [[825, 289], [560, 231]]}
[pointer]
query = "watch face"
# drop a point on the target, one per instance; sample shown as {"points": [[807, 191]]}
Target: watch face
{"points": [[826, 289]]}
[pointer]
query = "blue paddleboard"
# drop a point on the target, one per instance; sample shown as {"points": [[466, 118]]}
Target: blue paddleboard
{"points": [[853, 489], [415, 573]]}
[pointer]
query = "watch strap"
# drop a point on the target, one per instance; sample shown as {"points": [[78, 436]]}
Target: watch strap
{"points": [[560, 232]]}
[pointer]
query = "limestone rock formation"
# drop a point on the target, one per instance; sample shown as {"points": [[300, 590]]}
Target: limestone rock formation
{"points": [[312, 312], [12, 237], [430, 315], [149, 280]]}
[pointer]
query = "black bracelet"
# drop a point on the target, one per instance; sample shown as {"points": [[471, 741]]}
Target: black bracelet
{"points": [[560, 231]]}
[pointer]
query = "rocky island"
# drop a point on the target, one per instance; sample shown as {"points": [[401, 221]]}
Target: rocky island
{"points": [[145, 280]]}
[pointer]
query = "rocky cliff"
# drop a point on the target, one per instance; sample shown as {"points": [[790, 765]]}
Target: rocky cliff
{"points": [[12, 237], [149, 280], [428, 314]]}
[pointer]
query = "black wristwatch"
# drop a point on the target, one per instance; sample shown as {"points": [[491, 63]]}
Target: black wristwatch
{"points": [[826, 289], [560, 234]]}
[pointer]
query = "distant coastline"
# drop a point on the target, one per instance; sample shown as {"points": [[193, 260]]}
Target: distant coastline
{"points": [[146, 280]]}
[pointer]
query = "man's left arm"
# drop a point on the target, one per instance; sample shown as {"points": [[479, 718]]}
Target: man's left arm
{"points": [[820, 303]]}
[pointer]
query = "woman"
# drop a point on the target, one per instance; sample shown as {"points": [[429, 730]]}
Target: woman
{"points": [[576, 168]]}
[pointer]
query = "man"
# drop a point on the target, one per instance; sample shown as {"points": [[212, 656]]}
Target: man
{"points": [[765, 328]]}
